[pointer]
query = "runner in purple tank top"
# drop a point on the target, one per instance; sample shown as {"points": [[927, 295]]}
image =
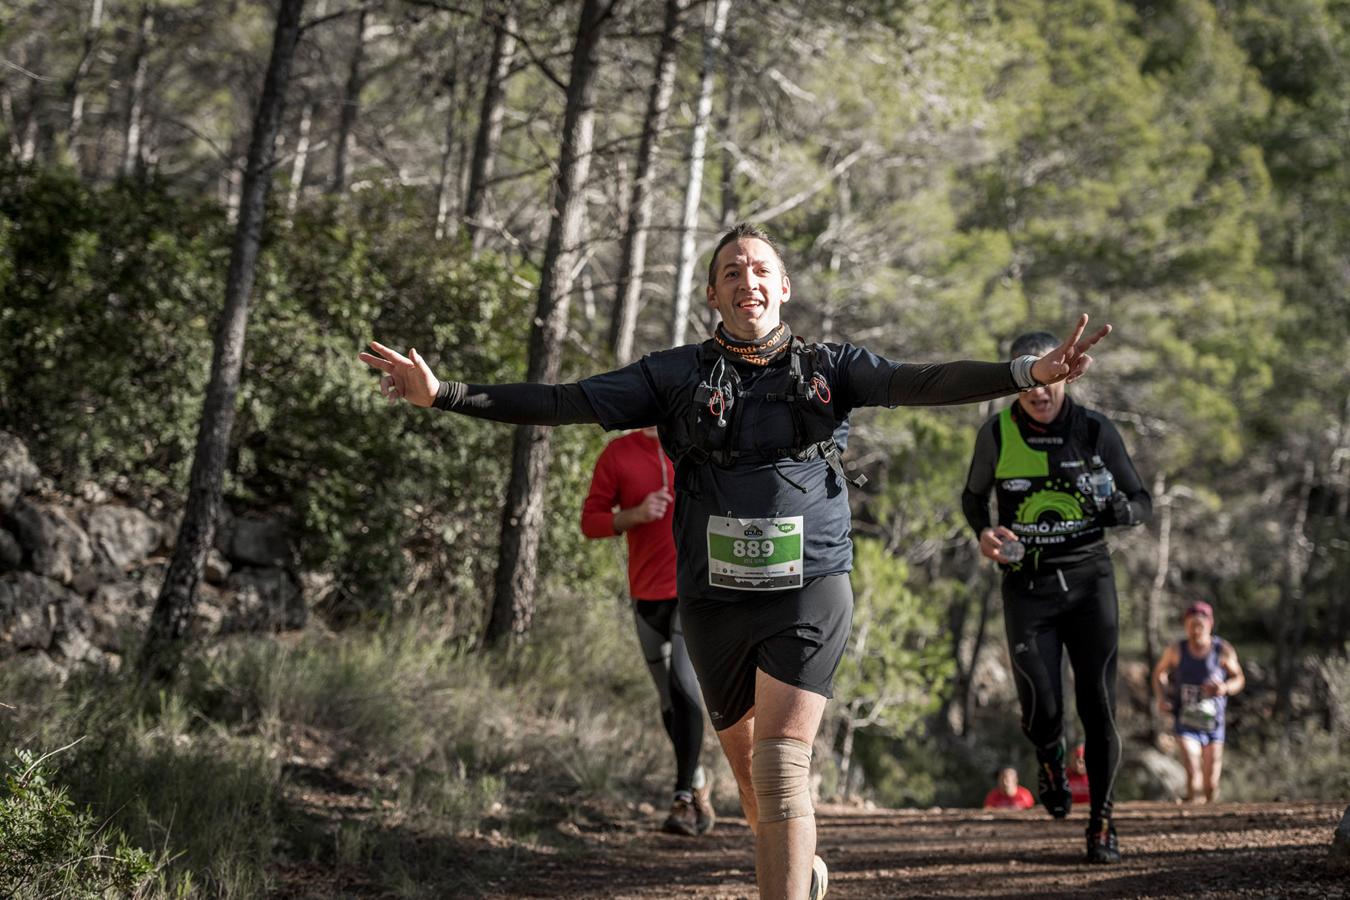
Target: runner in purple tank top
{"points": [[1193, 682]]}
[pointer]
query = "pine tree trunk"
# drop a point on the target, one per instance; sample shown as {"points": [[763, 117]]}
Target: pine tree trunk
{"points": [[489, 126], [712, 45], [131, 132], [522, 518], [351, 106], [173, 609], [633, 255], [74, 92]]}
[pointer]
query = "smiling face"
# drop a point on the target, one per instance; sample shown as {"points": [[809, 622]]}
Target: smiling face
{"points": [[749, 288]]}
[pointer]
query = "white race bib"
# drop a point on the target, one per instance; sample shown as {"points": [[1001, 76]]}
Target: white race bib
{"points": [[755, 554]]}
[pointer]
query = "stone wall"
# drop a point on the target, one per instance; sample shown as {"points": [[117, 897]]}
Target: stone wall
{"points": [[79, 575]]}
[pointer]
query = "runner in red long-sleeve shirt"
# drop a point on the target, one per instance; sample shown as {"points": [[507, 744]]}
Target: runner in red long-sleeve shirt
{"points": [[631, 494]]}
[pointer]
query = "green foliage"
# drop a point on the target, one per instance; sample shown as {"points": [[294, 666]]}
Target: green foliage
{"points": [[49, 848], [109, 292], [112, 292], [898, 657]]}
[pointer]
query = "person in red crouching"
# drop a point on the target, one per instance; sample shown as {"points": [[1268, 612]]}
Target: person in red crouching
{"points": [[1008, 794]]}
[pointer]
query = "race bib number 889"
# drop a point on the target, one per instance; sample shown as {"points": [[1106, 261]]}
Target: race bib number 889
{"points": [[755, 554]]}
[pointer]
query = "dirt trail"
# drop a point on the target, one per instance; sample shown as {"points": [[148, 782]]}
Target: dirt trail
{"points": [[1231, 850]]}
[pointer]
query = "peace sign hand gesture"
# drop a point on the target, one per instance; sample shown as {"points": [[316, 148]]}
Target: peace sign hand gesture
{"points": [[405, 377], [1069, 360]]}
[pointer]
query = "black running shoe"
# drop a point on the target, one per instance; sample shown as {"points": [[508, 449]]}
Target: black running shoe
{"points": [[1052, 786], [1102, 846]]}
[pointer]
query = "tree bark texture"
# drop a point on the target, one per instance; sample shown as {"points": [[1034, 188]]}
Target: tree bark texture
{"points": [[489, 126], [712, 45], [522, 518], [633, 254], [177, 597], [351, 107]]}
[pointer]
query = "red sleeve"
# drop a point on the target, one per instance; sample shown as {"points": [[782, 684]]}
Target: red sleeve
{"points": [[991, 799], [1024, 800], [597, 512]]}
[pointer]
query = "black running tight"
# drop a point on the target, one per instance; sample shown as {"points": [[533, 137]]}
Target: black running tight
{"points": [[662, 639], [1075, 609]]}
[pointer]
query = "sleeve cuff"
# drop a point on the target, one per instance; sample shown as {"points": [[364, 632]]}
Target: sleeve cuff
{"points": [[1021, 372]]}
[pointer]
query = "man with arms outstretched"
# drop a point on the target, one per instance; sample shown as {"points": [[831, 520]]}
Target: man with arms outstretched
{"points": [[755, 420]]}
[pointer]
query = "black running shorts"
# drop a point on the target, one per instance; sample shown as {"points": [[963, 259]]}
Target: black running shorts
{"points": [[796, 636]]}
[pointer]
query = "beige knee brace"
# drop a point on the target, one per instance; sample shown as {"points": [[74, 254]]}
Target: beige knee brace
{"points": [[780, 770]]}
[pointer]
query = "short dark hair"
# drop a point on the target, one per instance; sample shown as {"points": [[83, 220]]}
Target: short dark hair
{"points": [[1033, 343], [738, 232]]}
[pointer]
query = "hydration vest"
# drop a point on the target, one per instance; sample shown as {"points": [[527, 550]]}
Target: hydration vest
{"points": [[1042, 494], [709, 430]]}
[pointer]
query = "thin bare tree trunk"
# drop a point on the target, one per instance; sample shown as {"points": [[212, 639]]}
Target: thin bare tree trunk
{"points": [[73, 88], [633, 255], [1338, 477], [846, 756], [977, 647], [300, 163], [351, 106], [489, 125], [11, 121], [443, 180], [1293, 597], [131, 132], [522, 519], [712, 45], [1154, 599], [301, 160], [726, 131], [163, 647], [36, 112]]}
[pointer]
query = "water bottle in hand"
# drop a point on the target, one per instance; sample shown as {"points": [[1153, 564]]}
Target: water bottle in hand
{"points": [[1101, 484]]}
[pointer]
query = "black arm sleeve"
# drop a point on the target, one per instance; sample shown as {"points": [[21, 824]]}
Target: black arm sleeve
{"points": [[936, 384], [1131, 504], [980, 478], [518, 404]]}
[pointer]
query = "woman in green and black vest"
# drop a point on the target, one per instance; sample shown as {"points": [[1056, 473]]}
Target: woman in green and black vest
{"points": [[1041, 457]]}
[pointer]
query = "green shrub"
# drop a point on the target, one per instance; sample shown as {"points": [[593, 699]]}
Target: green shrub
{"points": [[49, 848]]}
